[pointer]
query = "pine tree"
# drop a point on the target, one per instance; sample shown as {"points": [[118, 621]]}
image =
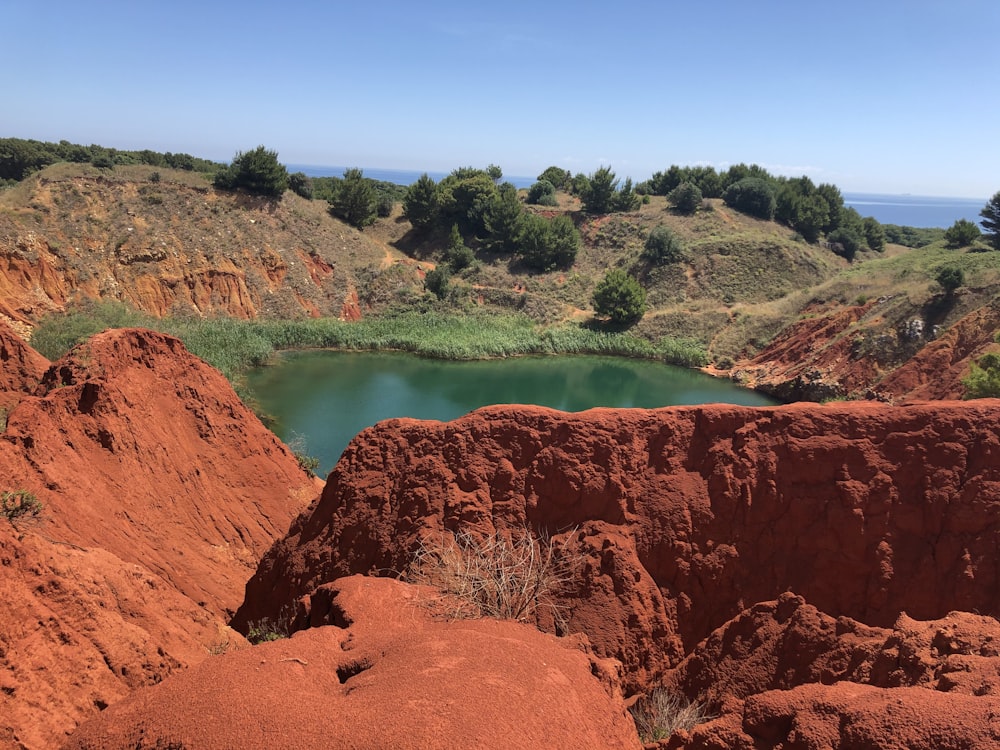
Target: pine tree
{"points": [[991, 221]]}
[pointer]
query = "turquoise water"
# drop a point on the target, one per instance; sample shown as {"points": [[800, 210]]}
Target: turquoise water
{"points": [[325, 398]]}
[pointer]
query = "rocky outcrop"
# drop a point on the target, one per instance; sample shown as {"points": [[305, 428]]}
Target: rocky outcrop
{"points": [[379, 670], [683, 516], [882, 349], [160, 491], [173, 246]]}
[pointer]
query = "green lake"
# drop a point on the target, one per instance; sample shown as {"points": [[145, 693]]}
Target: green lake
{"points": [[324, 398]]}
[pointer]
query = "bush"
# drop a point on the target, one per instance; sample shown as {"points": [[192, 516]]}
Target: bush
{"points": [[753, 196], [265, 630], [983, 380], [557, 177], [660, 714], [950, 278], [19, 504], [258, 172], [354, 201], [962, 233], [540, 192], [509, 577], [619, 297], [686, 198], [545, 245], [436, 281], [663, 246], [419, 206], [458, 255], [301, 185], [383, 206], [844, 242]]}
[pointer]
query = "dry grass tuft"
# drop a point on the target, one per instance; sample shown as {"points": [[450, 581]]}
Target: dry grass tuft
{"points": [[506, 576], [661, 713]]}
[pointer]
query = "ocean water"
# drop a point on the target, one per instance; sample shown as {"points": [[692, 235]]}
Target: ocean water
{"points": [[916, 210], [905, 210]]}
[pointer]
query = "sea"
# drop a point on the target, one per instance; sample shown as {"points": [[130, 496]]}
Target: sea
{"points": [[904, 210]]}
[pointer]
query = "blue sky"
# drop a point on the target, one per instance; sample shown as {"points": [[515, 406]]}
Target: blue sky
{"points": [[881, 96]]}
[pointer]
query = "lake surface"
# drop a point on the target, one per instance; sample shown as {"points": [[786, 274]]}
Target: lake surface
{"points": [[325, 398]]}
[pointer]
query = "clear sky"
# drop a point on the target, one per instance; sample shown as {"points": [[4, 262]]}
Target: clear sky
{"points": [[894, 96]]}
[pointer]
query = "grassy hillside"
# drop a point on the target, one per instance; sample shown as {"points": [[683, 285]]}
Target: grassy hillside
{"points": [[167, 243]]}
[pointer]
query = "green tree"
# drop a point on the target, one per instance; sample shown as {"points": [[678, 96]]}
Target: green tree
{"points": [[542, 193], [504, 219], [625, 199], [258, 172], [299, 184], [874, 234], [437, 281], [950, 278], [458, 255], [599, 192], [983, 380], [619, 297], [686, 197], [559, 178], [751, 195], [463, 197], [354, 200], [962, 233], [663, 246], [845, 242], [419, 204], [991, 221], [546, 245]]}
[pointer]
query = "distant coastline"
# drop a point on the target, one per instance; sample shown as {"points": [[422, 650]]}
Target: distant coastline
{"points": [[905, 210]]}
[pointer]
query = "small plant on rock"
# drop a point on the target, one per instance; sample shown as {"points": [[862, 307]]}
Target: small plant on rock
{"points": [[661, 713], [19, 504], [265, 630], [507, 576]]}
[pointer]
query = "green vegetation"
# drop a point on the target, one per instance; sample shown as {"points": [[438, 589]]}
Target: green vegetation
{"points": [[258, 172], [753, 196], [620, 297], [983, 380], [19, 504], [233, 345], [950, 278], [600, 193], [20, 158], [686, 197], [355, 200], [663, 246], [661, 713], [265, 630], [991, 220], [542, 193], [559, 178], [962, 233]]}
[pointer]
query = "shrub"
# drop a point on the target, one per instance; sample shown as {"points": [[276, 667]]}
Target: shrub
{"points": [[354, 200], [19, 504], [510, 577], [844, 242], [155, 177], [437, 280], [983, 380], [258, 172], [541, 191], [686, 197], [458, 255], [661, 713], [383, 206], [950, 278], [301, 185], [619, 297], [297, 445], [962, 233], [419, 204], [663, 246], [265, 630], [753, 196]]}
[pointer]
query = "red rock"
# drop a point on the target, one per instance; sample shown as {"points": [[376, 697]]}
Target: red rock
{"points": [[160, 492], [391, 675], [21, 367], [685, 515]]}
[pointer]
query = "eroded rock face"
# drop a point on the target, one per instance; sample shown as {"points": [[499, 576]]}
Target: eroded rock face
{"points": [[160, 492], [684, 516], [390, 674], [21, 367]]}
